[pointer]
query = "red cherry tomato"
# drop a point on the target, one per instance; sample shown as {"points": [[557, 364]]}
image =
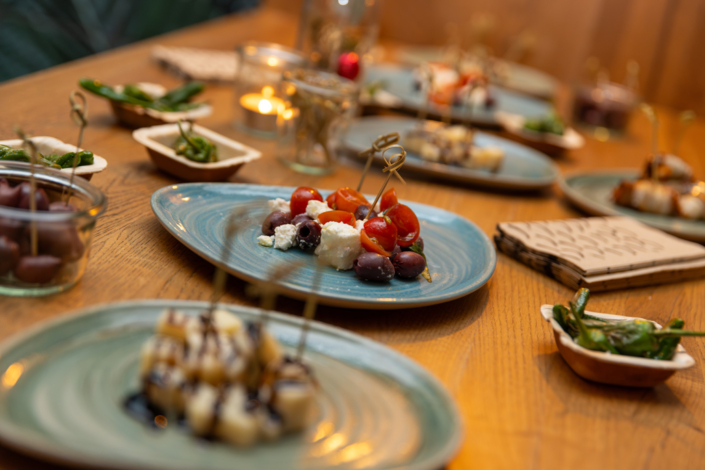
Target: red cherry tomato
{"points": [[407, 223], [371, 245], [347, 199], [388, 200], [337, 216], [331, 201], [300, 198], [382, 231]]}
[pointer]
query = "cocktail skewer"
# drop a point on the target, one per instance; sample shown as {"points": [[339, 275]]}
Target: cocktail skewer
{"points": [[426, 86], [309, 310], [79, 112], [394, 163], [27, 141], [380, 143], [651, 115], [684, 120]]}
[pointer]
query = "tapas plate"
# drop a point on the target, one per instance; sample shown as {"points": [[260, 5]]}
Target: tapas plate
{"points": [[399, 82], [514, 124], [523, 168], [592, 192], [64, 382], [461, 258]]}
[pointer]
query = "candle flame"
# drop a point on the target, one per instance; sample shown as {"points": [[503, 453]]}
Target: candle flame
{"points": [[265, 106], [272, 61]]}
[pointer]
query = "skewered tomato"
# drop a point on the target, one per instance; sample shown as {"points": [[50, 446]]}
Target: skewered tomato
{"points": [[300, 198], [371, 246], [337, 216], [408, 226], [330, 200], [383, 231], [388, 200], [347, 199]]}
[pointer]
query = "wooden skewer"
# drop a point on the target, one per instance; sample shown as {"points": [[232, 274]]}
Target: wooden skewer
{"points": [[79, 112], [393, 165], [427, 86], [651, 115], [380, 143], [267, 291], [685, 119], [27, 141], [309, 310]]}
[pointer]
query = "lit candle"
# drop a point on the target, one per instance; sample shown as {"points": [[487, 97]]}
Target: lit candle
{"points": [[261, 109]]}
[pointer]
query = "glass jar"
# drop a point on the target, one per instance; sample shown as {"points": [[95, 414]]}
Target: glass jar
{"points": [[336, 35], [258, 84], [45, 251], [606, 107], [317, 110]]}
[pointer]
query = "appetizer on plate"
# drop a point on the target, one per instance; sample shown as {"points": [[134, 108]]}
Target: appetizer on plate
{"points": [[437, 142], [345, 232], [548, 132], [446, 85], [230, 380]]}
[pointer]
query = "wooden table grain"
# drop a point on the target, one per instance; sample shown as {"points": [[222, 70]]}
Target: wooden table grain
{"points": [[522, 407]]}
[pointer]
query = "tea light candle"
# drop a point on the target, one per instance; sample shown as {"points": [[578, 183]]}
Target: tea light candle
{"points": [[260, 109]]}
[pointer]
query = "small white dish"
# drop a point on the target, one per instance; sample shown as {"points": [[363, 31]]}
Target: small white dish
{"points": [[159, 141], [514, 124], [50, 145], [615, 369]]}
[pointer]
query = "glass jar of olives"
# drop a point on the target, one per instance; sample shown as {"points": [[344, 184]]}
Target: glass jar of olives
{"points": [[45, 250]]}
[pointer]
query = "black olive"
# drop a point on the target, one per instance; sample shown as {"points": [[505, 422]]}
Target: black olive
{"points": [[37, 269], [300, 218], [362, 210], [11, 228], [274, 220], [397, 249], [59, 239], [373, 267], [9, 196], [308, 235], [40, 197], [9, 255], [61, 206], [418, 243], [408, 264]]}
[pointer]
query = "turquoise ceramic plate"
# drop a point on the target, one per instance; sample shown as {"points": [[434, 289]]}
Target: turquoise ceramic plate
{"points": [[63, 382], [523, 168], [399, 81], [592, 192], [460, 256]]}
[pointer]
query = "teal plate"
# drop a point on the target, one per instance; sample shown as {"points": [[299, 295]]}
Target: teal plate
{"points": [[399, 81], [460, 256], [523, 168], [63, 383], [592, 192]]}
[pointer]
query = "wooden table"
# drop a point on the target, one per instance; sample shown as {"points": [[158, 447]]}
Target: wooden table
{"points": [[521, 405]]}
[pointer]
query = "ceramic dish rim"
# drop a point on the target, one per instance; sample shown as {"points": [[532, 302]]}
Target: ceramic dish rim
{"points": [[144, 135], [682, 360], [11, 435], [99, 163], [335, 300]]}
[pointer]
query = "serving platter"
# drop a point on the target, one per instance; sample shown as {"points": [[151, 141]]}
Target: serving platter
{"points": [[592, 192], [461, 257], [546, 141], [523, 168], [64, 382], [399, 82]]}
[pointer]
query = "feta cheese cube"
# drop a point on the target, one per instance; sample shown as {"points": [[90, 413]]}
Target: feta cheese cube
{"points": [[279, 204], [359, 225], [264, 240], [340, 245], [314, 208], [285, 237]]}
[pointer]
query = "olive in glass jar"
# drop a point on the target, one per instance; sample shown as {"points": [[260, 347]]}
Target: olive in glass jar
{"points": [[373, 267], [274, 220]]}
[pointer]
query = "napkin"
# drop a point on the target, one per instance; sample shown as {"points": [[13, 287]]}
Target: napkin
{"points": [[601, 253], [198, 64]]}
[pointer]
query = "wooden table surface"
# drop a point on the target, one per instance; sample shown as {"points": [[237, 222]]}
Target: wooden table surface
{"points": [[521, 405]]}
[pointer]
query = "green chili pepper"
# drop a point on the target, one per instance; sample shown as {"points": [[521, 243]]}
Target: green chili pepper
{"points": [[179, 96], [195, 148], [17, 155], [96, 87], [135, 92], [668, 345], [589, 338], [4, 149]]}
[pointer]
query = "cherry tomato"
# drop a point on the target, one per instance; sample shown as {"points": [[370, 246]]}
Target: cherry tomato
{"points": [[369, 244], [331, 201], [382, 231], [407, 223], [337, 216], [388, 200], [347, 199], [300, 198]]}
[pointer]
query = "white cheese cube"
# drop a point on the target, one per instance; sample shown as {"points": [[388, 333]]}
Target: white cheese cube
{"points": [[340, 245], [264, 240], [279, 204], [314, 208], [285, 237]]}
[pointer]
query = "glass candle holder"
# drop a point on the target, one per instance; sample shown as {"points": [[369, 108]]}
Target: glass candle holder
{"points": [[258, 85], [316, 113], [44, 251], [606, 106]]}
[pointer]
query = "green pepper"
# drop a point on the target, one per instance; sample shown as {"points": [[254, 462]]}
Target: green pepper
{"points": [[17, 155], [195, 148], [4, 149], [135, 92], [181, 95], [98, 88], [589, 338], [632, 337], [668, 345]]}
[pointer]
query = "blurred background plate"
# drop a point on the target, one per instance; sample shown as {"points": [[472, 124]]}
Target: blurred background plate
{"points": [[64, 382], [460, 256], [592, 192], [399, 82], [523, 168]]}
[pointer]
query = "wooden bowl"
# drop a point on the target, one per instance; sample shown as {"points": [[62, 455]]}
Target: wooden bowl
{"points": [[159, 141], [545, 142], [50, 145], [613, 369]]}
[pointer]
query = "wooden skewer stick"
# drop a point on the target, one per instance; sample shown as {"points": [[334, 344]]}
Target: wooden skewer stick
{"points": [[684, 120], [393, 165], [309, 310], [27, 141], [380, 143], [79, 113], [427, 86], [651, 115], [267, 291]]}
